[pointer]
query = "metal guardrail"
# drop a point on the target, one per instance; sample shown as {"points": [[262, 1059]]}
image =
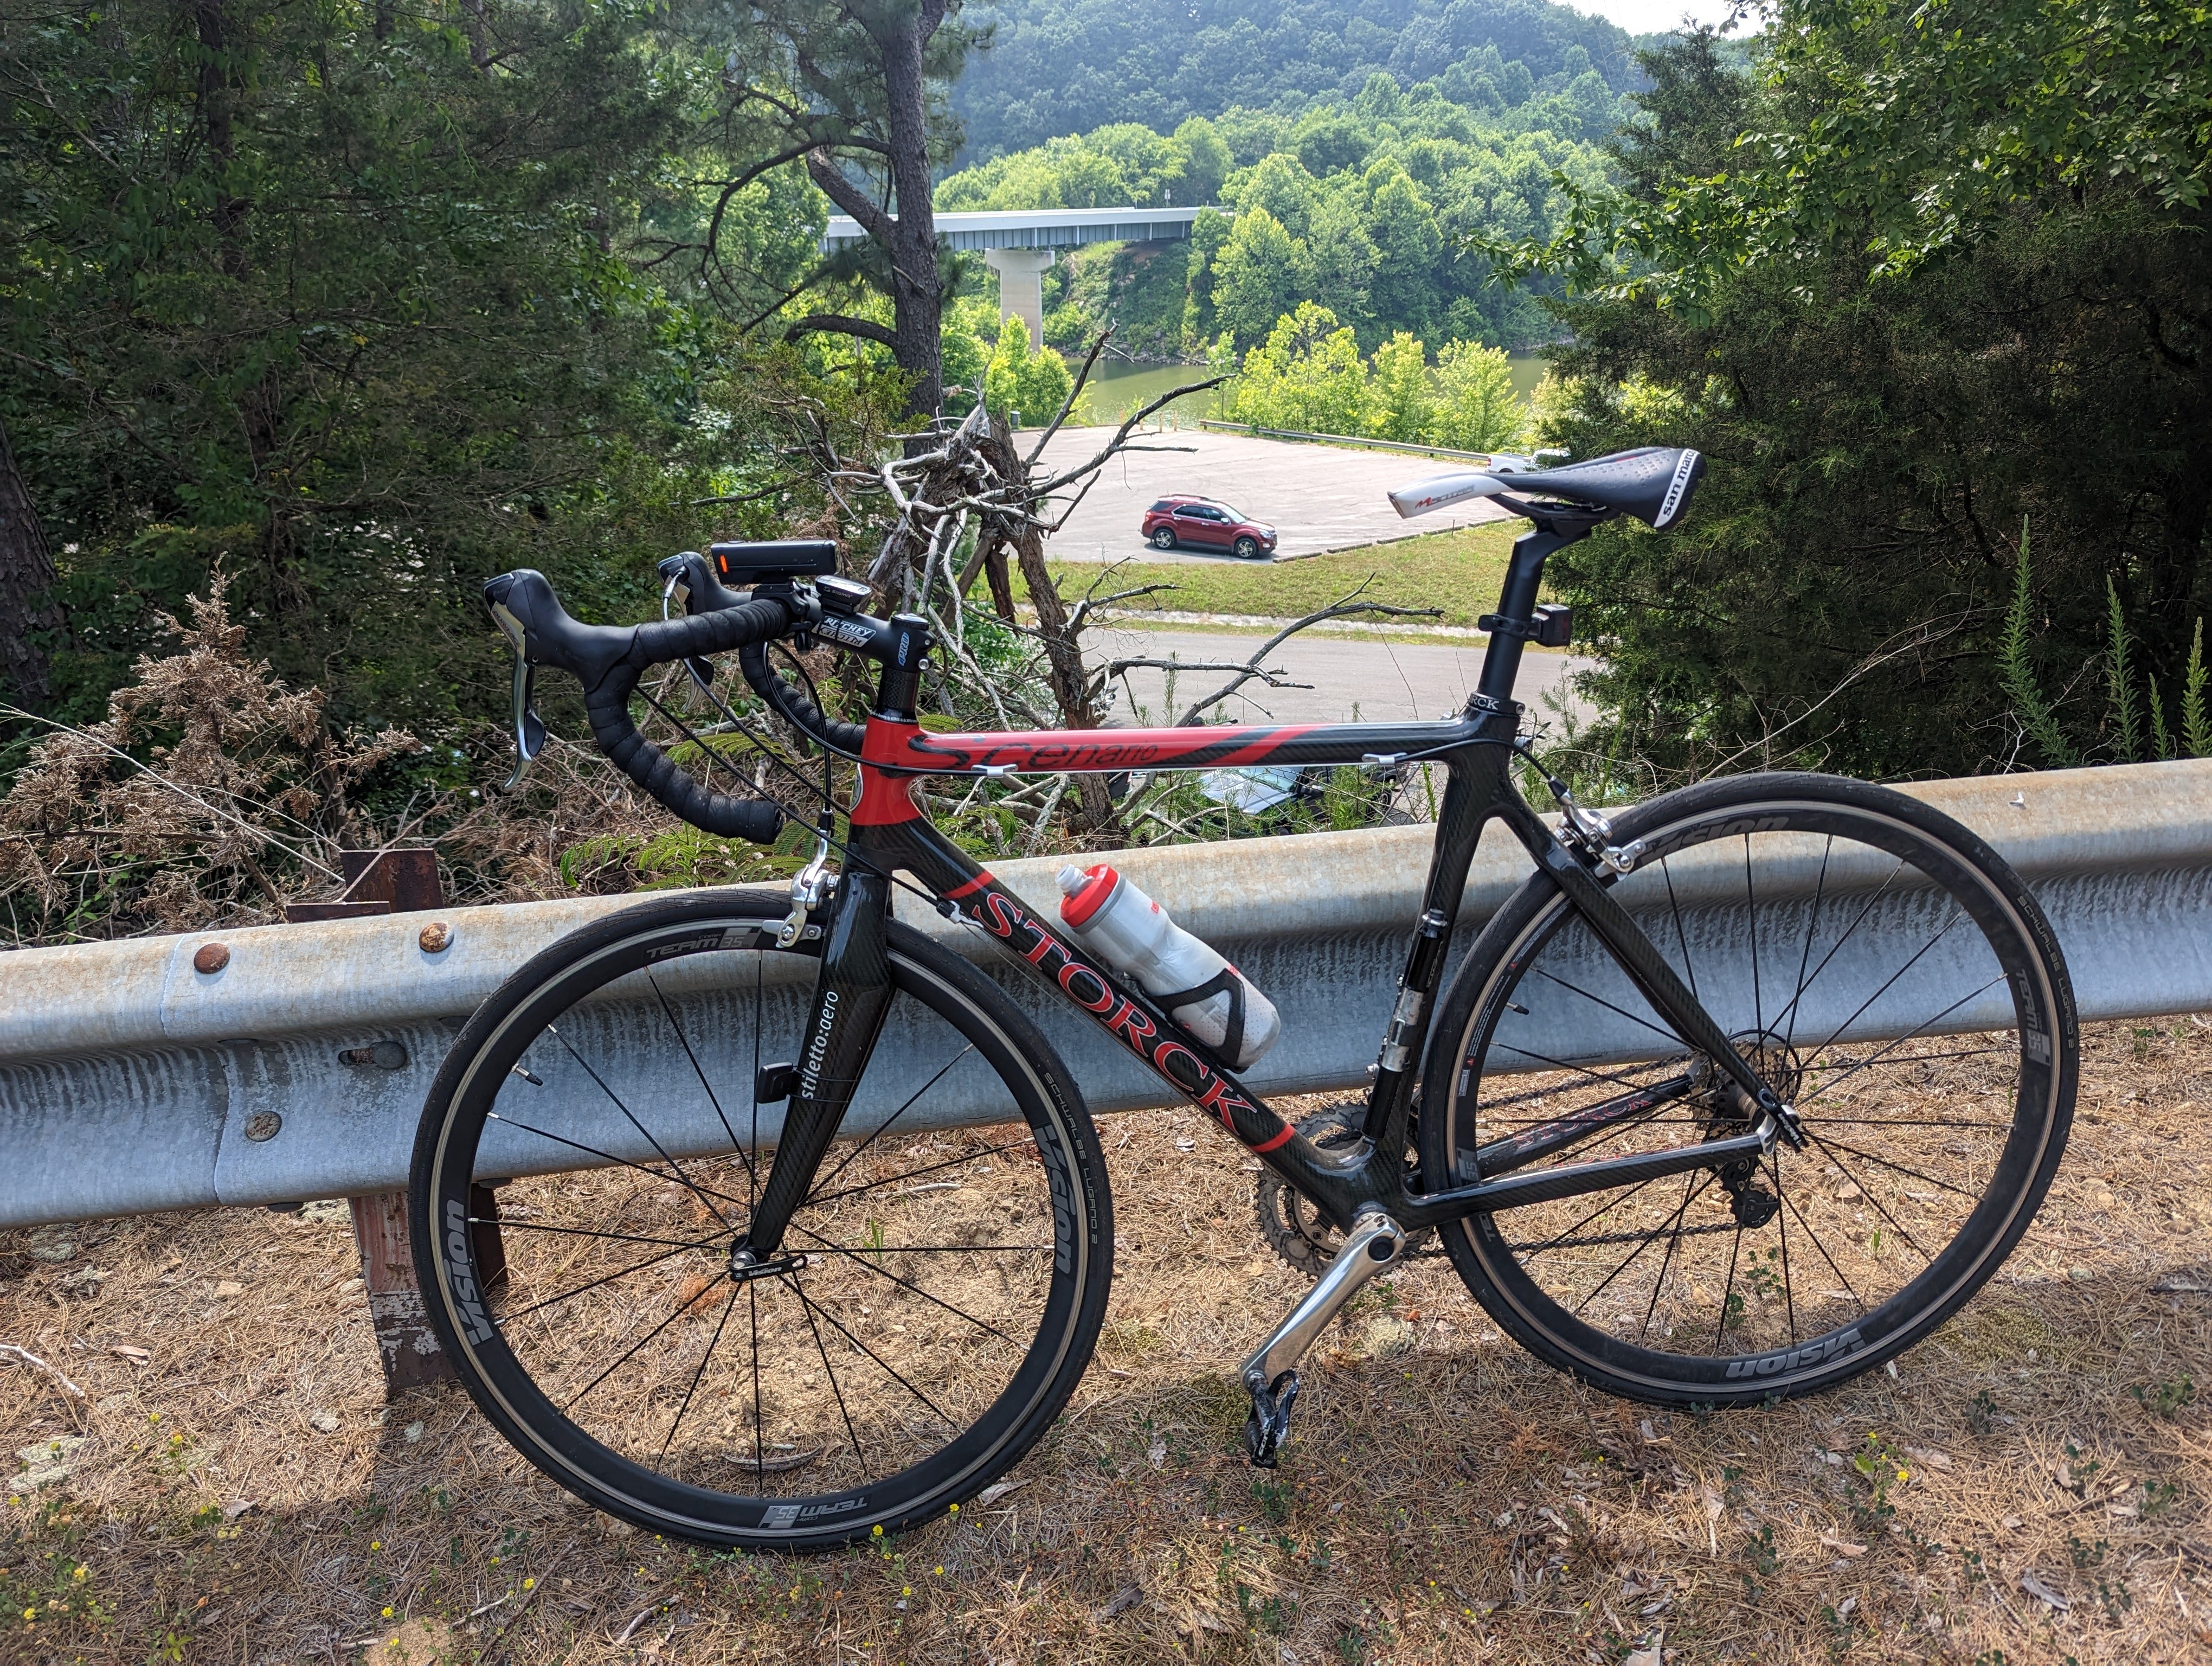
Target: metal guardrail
{"points": [[131, 1081]]}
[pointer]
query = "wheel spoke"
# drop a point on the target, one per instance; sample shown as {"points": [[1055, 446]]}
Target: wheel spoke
{"points": [[1869, 1194], [1836, 948], [1883, 1162], [1610, 1203], [860, 1452], [714, 1341], [815, 1307], [1691, 1188], [1891, 980], [860, 1260], [884, 1126], [1642, 1245], [508, 1223], [606, 1156], [744, 1154], [1972, 994], [1811, 931], [1782, 1231], [909, 1173], [503, 1320], [1689, 970], [681, 1176], [1600, 1000], [1857, 1299], [759, 1440], [1751, 898], [628, 1354], [1735, 1250]]}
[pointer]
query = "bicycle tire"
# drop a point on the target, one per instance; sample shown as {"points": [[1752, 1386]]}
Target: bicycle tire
{"points": [[792, 1471], [1708, 1329]]}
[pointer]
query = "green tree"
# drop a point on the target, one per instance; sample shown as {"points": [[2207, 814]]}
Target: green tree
{"points": [[1208, 233], [1258, 277], [1916, 277], [341, 300], [1206, 161], [1035, 383], [1307, 376], [850, 88], [1400, 402], [1476, 409]]}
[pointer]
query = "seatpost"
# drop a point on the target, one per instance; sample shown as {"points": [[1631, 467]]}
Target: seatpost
{"points": [[1516, 611]]}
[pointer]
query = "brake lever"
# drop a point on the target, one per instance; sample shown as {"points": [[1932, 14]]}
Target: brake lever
{"points": [[676, 593], [529, 728]]}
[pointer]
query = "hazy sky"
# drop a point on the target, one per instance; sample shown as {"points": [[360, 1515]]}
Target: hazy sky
{"points": [[1648, 16]]}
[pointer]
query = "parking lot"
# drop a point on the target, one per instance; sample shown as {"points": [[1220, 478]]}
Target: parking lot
{"points": [[1316, 497]]}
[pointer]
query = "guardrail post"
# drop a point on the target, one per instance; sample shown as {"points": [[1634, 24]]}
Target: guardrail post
{"points": [[405, 1341]]}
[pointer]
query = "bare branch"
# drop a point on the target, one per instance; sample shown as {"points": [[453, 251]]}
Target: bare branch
{"points": [[841, 324], [1121, 434], [1251, 669], [1074, 393]]}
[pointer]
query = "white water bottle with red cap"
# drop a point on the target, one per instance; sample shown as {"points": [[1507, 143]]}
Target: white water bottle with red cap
{"points": [[1201, 991]]}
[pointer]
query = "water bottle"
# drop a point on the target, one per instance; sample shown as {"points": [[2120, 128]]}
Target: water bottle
{"points": [[1201, 991]]}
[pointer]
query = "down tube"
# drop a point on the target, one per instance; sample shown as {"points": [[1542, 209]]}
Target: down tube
{"points": [[1186, 1064]]}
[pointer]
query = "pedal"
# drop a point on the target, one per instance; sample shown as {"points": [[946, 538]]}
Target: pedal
{"points": [[1269, 1423]]}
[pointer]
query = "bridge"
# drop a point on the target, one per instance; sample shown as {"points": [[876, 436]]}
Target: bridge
{"points": [[1018, 244]]}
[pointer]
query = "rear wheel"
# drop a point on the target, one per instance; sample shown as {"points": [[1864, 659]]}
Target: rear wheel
{"points": [[1887, 973], [937, 1296], [1163, 538]]}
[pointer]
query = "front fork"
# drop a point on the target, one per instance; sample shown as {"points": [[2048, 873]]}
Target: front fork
{"points": [[852, 992]]}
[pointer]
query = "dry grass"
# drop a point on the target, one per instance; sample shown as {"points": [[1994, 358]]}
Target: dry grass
{"points": [[1443, 1497]]}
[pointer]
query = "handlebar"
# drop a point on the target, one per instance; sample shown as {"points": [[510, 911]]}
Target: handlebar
{"points": [[608, 661]]}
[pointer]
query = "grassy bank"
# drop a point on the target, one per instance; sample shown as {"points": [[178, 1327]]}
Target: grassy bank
{"points": [[1457, 572]]}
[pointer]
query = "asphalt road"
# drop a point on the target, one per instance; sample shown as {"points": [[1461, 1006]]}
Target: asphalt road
{"points": [[1351, 678], [1316, 497]]}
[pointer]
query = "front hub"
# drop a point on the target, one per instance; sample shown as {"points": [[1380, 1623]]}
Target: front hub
{"points": [[746, 1266]]}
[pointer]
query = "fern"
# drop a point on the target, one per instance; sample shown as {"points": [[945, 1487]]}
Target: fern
{"points": [[2018, 675], [2161, 743], [2195, 734], [2125, 710]]}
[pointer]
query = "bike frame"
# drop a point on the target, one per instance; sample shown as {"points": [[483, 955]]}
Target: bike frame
{"points": [[889, 832]]}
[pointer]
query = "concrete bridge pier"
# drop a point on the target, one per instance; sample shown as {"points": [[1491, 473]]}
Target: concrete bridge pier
{"points": [[1021, 294]]}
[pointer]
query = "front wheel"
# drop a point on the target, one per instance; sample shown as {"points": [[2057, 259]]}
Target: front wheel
{"points": [[613, 1110], [1246, 549], [1884, 971]]}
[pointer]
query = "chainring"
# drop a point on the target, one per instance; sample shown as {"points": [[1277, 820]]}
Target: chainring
{"points": [[1287, 1218]]}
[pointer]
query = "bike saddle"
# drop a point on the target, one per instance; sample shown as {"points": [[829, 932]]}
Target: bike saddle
{"points": [[1653, 483]]}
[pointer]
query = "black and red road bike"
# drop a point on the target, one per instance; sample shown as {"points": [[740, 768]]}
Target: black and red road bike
{"points": [[803, 1228]]}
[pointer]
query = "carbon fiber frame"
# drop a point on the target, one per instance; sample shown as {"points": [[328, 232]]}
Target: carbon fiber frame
{"points": [[890, 833]]}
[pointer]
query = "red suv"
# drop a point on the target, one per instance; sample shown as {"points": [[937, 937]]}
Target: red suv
{"points": [[1200, 523]]}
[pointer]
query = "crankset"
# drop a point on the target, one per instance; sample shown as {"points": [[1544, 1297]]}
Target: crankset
{"points": [[1287, 1219]]}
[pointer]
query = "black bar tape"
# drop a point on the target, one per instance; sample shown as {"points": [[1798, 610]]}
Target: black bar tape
{"points": [[663, 642]]}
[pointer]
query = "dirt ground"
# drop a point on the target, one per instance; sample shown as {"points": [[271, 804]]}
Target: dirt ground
{"points": [[2034, 1484]]}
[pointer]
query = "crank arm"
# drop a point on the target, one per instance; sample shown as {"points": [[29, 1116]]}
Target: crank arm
{"points": [[1548, 1185], [1374, 1243]]}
